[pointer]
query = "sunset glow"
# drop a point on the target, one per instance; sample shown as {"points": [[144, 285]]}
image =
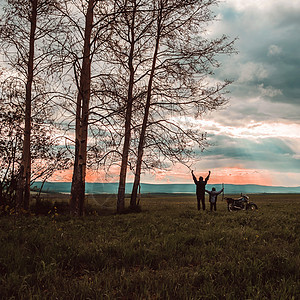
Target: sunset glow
{"points": [[232, 175], [255, 138]]}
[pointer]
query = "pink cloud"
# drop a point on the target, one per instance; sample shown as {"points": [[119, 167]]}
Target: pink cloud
{"points": [[91, 175], [181, 174]]}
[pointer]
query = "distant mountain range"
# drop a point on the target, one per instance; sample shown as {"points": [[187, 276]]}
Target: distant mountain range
{"points": [[112, 188]]}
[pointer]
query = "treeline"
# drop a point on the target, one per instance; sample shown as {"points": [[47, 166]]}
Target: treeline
{"points": [[100, 84]]}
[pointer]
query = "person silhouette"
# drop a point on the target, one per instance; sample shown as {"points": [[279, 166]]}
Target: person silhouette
{"points": [[200, 189], [213, 194]]}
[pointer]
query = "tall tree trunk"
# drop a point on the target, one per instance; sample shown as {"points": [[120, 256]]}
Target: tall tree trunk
{"points": [[137, 176], [127, 137], [23, 192], [82, 116]]}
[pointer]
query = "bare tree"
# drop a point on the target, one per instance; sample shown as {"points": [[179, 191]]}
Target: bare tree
{"points": [[147, 107], [23, 33], [183, 54], [129, 39], [163, 60], [82, 108], [46, 156], [23, 194], [86, 27]]}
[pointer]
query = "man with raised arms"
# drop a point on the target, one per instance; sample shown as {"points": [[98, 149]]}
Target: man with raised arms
{"points": [[200, 189]]}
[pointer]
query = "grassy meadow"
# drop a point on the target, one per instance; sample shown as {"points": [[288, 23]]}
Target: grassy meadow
{"points": [[169, 250]]}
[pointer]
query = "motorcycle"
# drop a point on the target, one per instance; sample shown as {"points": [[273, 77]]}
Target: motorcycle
{"points": [[242, 203]]}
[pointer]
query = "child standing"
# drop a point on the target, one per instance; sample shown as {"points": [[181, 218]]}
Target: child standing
{"points": [[213, 194]]}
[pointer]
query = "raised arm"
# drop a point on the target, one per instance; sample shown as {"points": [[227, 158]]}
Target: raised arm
{"points": [[206, 179], [194, 177], [219, 192]]}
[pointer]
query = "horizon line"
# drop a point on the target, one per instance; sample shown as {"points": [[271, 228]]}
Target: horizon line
{"points": [[298, 186]]}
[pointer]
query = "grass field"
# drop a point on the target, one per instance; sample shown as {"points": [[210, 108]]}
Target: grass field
{"points": [[167, 251]]}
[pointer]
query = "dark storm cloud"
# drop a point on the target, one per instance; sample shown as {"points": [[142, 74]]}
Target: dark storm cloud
{"points": [[268, 62], [267, 153]]}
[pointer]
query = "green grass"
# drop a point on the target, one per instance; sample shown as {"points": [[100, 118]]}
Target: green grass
{"points": [[168, 251]]}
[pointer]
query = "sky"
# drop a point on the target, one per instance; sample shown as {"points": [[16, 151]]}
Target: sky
{"points": [[256, 137]]}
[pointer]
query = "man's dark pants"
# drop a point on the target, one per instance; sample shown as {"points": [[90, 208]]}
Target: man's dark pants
{"points": [[202, 199], [213, 206]]}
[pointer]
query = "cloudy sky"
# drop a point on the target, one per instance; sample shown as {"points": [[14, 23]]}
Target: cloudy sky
{"points": [[256, 138]]}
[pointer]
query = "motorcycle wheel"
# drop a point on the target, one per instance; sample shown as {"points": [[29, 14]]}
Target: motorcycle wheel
{"points": [[230, 207], [251, 206]]}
